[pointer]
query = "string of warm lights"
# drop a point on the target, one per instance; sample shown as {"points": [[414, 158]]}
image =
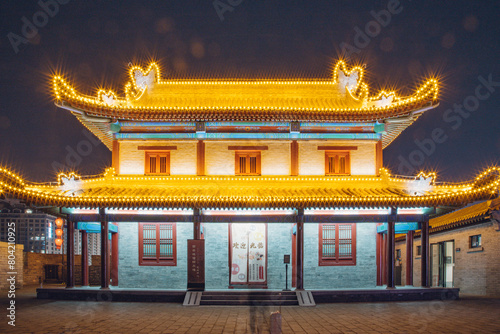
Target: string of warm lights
{"points": [[133, 93], [40, 193]]}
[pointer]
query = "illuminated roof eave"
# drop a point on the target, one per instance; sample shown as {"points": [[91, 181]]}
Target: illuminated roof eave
{"points": [[250, 192]]}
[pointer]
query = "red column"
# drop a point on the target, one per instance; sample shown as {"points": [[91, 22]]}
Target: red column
{"points": [[391, 245], [425, 253], [300, 250], [409, 258], [70, 254], [104, 250], [114, 259], [85, 258]]}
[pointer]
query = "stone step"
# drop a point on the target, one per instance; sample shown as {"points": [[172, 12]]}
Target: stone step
{"points": [[248, 297], [265, 302], [245, 293]]}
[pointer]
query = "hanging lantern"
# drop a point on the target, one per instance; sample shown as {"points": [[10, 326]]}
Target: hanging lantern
{"points": [[59, 222]]}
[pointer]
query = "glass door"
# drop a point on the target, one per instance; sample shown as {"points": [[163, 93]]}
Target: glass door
{"points": [[437, 264], [449, 263], [248, 253], [442, 264]]}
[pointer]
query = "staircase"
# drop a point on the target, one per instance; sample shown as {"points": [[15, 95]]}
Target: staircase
{"points": [[249, 298]]}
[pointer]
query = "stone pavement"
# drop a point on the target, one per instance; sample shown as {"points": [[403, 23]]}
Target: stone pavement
{"points": [[469, 315]]}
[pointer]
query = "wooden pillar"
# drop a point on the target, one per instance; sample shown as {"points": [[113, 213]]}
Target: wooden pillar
{"points": [[196, 224], [85, 258], [200, 158], [115, 157], [378, 157], [104, 249], [294, 154], [409, 258], [379, 260], [391, 245], [300, 250], [70, 254], [114, 259], [425, 253]]}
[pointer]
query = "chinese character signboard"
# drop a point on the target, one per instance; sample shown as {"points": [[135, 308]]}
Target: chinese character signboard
{"points": [[196, 265]]}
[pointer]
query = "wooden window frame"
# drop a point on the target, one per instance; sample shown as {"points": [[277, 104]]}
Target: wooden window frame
{"points": [[170, 261], [158, 153], [239, 154], [419, 251], [337, 155], [479, 245], [337, 261]]}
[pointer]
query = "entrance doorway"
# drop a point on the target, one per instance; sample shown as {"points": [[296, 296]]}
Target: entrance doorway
{"points": [[248, 254], [442, 264]]}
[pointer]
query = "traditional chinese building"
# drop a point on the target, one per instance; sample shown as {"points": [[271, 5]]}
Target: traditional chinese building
{"points": [[256, 169]]}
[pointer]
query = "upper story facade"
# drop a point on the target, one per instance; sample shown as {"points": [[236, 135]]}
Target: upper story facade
{"points": [[300, 127]]}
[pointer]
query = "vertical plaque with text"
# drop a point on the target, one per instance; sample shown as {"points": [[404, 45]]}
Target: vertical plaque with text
{"points": [[196, 264]]}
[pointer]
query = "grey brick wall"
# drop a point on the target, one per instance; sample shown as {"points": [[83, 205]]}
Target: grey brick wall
{"points": [[131, 275], [216, 255], [475, 273], [216, 235], [363, 275]]}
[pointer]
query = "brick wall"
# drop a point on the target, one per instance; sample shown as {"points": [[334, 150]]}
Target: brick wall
{"points": [[5, 267], [274, 161], [216, 235], [362, 275], [475, 273], [34, 267]]}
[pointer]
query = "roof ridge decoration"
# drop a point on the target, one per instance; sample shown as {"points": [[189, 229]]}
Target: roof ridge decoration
{"points": [[345, 92], [111, 190]]}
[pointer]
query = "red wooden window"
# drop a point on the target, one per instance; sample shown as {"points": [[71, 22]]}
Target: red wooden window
{"points": [[157, 244], [337, 244], [158, 163], [247, 163], [337, 163]]}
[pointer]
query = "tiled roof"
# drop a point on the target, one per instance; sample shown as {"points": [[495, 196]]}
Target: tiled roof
{"points": [[343, 98], [248, 192]]}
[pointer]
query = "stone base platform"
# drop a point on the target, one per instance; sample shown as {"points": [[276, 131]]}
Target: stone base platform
{"points": [[177, 296]]}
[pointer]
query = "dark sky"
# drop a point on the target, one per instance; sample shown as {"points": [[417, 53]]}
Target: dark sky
{"points": [[92, 43]]}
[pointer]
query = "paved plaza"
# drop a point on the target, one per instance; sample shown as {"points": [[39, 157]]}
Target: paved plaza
{"points": [[468, 315]]}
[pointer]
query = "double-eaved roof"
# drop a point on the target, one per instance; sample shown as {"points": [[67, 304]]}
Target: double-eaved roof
{"points": [[148, 98]]}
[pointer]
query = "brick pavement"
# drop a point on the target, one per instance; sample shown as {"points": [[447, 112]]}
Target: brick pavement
{"points": [[469, 315]]}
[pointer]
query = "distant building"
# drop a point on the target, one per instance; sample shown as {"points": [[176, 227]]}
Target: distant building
{"points": [[36, 231]]}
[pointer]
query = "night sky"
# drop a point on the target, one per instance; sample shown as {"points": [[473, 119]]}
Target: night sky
{"points": [[92, 43]]}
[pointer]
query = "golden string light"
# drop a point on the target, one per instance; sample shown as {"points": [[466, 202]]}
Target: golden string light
{"points": [[133, 93]]}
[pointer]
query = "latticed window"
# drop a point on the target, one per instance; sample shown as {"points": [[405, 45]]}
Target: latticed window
{"points": [[337, 163], [157, 244], [158, 163], [247, 163], [337, 244]]}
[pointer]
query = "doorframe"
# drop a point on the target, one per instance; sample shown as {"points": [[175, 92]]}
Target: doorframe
{"points": [[262, 285], [441, 244]]}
